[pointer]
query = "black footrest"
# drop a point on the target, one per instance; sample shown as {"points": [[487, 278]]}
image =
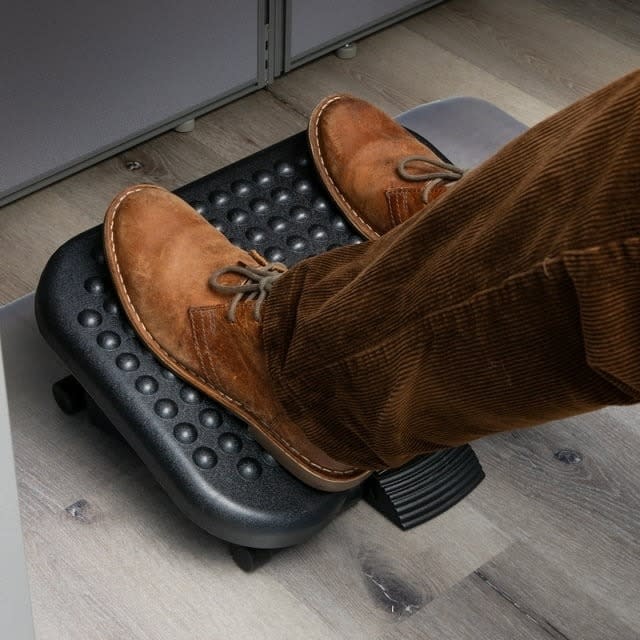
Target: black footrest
{"points": [[425, 487], [201, 453]]}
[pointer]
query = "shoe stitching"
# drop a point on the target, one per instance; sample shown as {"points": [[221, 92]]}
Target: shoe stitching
{"points": [[194, 330], [395, 214], [392, 204], [115, 209], [398, 203], [204, 355], [212, 369], [324, 166]]}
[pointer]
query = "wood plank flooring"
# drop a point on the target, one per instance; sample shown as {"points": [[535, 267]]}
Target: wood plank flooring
{"points": [[548, 547]]}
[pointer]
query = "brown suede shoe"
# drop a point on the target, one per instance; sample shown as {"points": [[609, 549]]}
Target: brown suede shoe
{"points": [[370, 164], [174, 274]]}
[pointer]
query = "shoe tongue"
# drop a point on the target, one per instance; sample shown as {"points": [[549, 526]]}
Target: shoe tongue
{"points": [[436, 191], [257, 258]]}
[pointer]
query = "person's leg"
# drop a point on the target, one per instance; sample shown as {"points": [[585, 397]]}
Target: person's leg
{"points": [[513, 300]]}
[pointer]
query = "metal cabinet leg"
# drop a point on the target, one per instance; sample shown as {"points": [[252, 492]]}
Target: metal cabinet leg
{"points": [[347, 51], [186, 126]]}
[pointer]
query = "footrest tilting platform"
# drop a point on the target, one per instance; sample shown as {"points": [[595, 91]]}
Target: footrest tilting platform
{"points": [[203, 455]]}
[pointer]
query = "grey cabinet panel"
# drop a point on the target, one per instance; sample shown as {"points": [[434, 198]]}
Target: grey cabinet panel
{"points": [[312, 24], [78, 78]]}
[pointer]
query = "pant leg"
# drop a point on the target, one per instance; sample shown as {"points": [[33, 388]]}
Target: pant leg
{"points": [[511, 301]]}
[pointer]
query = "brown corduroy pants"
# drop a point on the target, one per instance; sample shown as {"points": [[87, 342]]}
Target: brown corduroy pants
{"points": [[511, 301]]}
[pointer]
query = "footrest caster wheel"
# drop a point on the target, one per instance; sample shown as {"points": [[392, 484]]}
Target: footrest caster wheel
{"points": [[69, 395], [250, 559], [425, 487]]}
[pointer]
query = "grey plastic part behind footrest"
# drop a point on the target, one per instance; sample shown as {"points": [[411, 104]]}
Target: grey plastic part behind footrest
{"points": [[425, 487], [468, 130]]}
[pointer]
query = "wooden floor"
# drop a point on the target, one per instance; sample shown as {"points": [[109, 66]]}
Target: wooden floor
{"points": [[542, 549]]}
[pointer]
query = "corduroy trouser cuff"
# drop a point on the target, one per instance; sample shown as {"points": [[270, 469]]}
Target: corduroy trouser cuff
{"points": [[511, 301]]}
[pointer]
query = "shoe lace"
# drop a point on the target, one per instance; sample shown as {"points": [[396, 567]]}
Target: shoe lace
{"points": [[451, 173], [258, 283]]}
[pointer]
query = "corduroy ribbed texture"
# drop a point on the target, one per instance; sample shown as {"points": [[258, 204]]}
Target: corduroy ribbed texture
{"points": [[511, 301]]}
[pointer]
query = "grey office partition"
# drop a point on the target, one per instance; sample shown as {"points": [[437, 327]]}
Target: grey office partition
{"points": [[15, 604], [80, 80], [317, 26]]}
